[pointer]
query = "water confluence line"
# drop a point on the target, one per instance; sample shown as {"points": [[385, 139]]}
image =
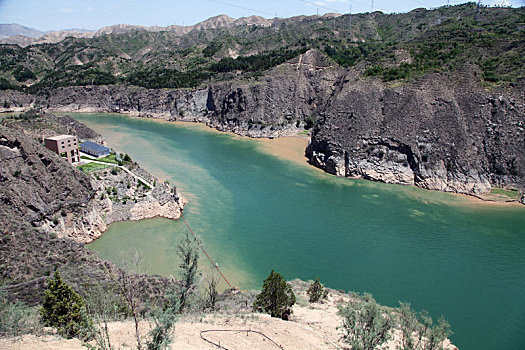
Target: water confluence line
{"points": [[204, 250]]}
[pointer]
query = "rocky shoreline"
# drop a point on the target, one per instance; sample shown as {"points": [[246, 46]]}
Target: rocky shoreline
{"points": [[332, 159], [117, 196]]}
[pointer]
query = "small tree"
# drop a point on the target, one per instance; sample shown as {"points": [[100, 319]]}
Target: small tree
{"points": [[316, 291], [165, 320], [64, 309], [211, 281], [189, 255], [276, 297], [129, 287], [366, 324]]}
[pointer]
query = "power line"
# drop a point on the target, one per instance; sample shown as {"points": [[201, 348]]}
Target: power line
{"points": [[240, 7], [420, 3], [359, 3], [324, 7], [209, 258]]}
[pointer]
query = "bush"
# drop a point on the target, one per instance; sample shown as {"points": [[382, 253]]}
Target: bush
{"points": [[366, 324], [188, 253], [419, 331], [310, 122], [316, 291], [165, 320], [276, 297], [15, 318], [64, 309]]}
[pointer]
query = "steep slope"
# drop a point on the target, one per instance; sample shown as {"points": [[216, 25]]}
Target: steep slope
{"points": [[431, 134]]}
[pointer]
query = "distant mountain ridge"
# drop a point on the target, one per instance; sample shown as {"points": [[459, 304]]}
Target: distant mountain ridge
{"points": [[12, 29], [24, 36]]}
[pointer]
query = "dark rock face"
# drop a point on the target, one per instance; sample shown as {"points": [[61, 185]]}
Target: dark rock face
{"points": [[36, 184], [433, 136], [441, 132]]}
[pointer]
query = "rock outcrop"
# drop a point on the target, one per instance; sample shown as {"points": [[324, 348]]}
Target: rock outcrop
{"points": [[429, 134]]}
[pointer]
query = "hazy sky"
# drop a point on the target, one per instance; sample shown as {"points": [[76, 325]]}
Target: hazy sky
{"points": [[94, 14]]}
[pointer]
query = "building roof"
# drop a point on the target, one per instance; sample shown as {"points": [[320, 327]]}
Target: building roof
{"points": [[59, 137], [94, 146]]}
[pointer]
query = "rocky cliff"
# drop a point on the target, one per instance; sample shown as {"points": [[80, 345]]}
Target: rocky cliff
{"points": [[443, 131], [431, 133]]}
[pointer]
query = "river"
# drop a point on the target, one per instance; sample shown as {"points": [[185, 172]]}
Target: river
{"points": [[257, 211]]}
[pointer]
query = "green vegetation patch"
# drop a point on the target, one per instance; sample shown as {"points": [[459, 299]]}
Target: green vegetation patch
{"points": [[510, 193], [108, 159], [91, 167], [392, 47]]}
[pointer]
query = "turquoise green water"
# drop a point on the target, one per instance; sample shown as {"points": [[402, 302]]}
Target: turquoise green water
{"points": [[256, 212]]}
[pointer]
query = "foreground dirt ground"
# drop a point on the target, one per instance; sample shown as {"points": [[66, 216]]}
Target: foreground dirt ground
{"points": [[312, 327]]}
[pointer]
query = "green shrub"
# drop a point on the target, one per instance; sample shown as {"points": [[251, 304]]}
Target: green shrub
{"points": [[188, 253], [64, 309], [366, 324], [164, 319], [316, 291], [310, 122], [15, 317], [276, 297], [418, 331]]}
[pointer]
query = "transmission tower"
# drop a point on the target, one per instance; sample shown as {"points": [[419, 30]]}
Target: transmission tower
{"points": [[476, 17], [350, 17]]}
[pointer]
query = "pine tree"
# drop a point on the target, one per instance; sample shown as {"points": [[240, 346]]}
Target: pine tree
{"points": [[64, 309], [316, 291], [276, 297]]}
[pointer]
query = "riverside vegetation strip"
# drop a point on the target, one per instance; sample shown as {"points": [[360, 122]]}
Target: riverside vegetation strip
{"points": [[427, 98]]}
